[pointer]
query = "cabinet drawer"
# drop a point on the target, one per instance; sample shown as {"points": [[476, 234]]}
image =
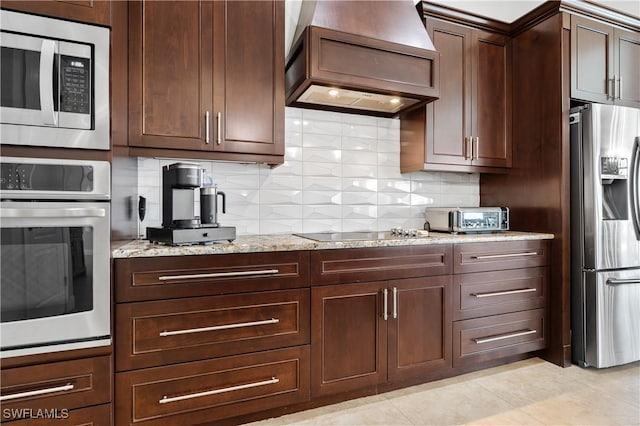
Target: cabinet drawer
{"points": [[480, 257], [163, 332], [483, 339], [99, 415], [490, 293], [140, 279], [206, 391], [377, 264], [61, 385]]}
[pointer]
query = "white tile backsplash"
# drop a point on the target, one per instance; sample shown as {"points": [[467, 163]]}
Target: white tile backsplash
{"points": [[341, 173]]}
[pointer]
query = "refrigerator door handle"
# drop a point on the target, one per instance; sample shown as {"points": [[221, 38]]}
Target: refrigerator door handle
{"points": [[635, 187], [615, 281]]}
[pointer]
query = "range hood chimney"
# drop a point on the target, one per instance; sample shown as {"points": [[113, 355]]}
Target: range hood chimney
{"points": [[364, 57]]}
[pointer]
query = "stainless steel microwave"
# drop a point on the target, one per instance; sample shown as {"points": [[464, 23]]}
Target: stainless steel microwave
{"points": [[54, 77]]}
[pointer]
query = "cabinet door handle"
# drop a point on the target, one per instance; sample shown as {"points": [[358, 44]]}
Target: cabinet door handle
{"points": [[165, 399], [504, 293], [610, 89], [37, 392], [219, 129], [219, 327], [617, 86], [481, 340], [218, 275], [395, 302], [385, 304], [47, 55], [207, 125], [467, 150], [476, 150], [504, 256]]}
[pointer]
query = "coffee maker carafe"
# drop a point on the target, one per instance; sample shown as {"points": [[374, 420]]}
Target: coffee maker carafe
{"points": [[180, 181]]}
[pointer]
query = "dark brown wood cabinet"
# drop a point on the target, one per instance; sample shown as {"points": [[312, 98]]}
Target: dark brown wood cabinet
{"points": [[87, 11], [368, 333], [207, 79], [469, 127], [500, 297], [605, 63], [204, 338], [66, 387]]}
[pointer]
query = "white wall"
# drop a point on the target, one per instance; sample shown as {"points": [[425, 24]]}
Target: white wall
{"points": [[341, 173]]}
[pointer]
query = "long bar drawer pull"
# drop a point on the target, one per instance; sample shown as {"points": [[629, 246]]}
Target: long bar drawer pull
{"points": [[615, 281], [219, 275], [165, 399], [503, 336], [502, 256], [219, 327], [66, 387], [504, 293]]}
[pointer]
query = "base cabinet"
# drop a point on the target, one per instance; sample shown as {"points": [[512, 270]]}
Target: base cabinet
{"points": [[366, 334]]}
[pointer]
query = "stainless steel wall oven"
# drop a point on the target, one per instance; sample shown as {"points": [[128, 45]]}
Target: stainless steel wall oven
{"points": [[54, 255]]}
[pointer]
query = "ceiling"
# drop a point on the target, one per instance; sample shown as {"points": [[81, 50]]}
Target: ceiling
{"points": [[509, 11]]}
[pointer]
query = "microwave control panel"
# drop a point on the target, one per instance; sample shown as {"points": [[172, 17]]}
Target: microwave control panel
{"points": [[75, 85]]}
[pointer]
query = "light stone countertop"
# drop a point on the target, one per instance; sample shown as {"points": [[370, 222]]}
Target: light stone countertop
{"points": [[287, 242]]}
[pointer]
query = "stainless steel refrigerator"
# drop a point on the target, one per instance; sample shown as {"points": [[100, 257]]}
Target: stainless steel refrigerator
{"points": [[605, 235]]}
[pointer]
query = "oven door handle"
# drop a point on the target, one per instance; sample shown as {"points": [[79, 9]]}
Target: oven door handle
{"points": [[47, 54], [45, 213]]}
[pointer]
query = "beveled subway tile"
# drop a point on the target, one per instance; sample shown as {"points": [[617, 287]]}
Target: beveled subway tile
{"points": [[386, 224], [321, 198], [390, 132], [292, 125], [238, 212], [426, 187], [423, 200], [311, 183], [358, 171], [292, 112], [356, 225], [389, 172], [315, 114], [389, 212], [319, 225], [318, 155], [394, 199], [293, 153], [360, 212], [359, 144], [359, 198], [460, 200], [321, 127], [322, 169], [330, 212], [394, 185], [280, 212], [359, 119], [312, 140], [360, 131], [360, 158], [389, 159], [242, 197], [293, 139], [281, 182], [359, 185], [271, 197], [243, 227], [388, 145], [280, 226]]}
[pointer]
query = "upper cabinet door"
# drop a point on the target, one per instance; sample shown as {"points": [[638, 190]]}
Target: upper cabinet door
{"points": [[170, 74], [627, 67], [492, 103], [449, 118], [88, 11], [249, 76], [591, 60]]}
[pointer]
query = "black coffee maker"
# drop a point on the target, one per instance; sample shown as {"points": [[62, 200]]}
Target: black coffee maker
{"points": [[181, 182]]}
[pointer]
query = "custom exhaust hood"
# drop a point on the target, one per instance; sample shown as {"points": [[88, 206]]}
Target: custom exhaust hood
{"points": [[365, 57]]}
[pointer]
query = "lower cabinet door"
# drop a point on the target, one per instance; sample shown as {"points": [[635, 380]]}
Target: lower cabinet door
{"points": [[419, 326], [205, 391], [348, 337], [100, 415], [483, 339]]}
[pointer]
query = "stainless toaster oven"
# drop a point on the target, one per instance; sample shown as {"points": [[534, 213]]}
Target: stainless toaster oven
{"points": [[467, 219]]}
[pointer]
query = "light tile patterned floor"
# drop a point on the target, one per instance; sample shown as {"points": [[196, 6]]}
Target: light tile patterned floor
{"points": [[530, 392]]}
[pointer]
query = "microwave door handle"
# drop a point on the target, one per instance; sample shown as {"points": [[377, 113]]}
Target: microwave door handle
{"points": [[52, 213], [47, 54]]}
